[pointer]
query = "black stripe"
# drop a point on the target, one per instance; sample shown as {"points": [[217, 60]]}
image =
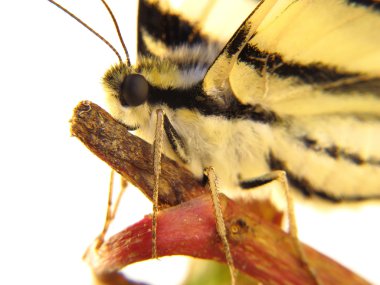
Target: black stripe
{"points": [[175, 140], [325, 77], [239, 37], [312, 73], [194, 98], [237, 40], [306, 188], [373, 4], [249, 184], [337, 153], [164, 26], [360, 86]]}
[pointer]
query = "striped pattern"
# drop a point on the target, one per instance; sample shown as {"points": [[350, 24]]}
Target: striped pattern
{"points": [[295, 88], [169, 28], [327, 91]]}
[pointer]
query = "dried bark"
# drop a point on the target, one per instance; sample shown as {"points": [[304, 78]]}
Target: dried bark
{"points": [[187, 225]]}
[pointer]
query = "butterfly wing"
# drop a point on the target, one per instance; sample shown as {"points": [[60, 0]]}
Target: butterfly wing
{"points": [[164, 26], [316, 64]]}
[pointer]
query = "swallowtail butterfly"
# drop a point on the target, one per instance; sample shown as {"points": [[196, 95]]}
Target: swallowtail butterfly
{"points": [[296, 87], [293, 89]]}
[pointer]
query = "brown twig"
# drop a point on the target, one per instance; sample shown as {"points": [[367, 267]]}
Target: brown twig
{"points": [[259, 247], [132, 157]]}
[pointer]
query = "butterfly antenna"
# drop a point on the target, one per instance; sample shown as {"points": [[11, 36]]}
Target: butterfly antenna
{"points": [[118, 31], [89, 28]]}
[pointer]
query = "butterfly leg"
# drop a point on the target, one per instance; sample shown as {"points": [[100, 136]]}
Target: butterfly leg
{"points": [[163, 124], [280, 176], [157, 154], [220, 225], [111, 211]]}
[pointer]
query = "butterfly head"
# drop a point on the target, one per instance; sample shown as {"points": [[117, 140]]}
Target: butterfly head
{"points": [[127, 95]]}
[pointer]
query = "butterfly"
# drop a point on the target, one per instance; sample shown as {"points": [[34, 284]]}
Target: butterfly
{"points": [[295, 88]]}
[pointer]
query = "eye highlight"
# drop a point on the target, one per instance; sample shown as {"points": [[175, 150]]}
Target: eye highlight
{"points": [[134, 90]]}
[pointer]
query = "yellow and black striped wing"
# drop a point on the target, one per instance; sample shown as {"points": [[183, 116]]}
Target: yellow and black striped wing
{"points": [[316, 65]]}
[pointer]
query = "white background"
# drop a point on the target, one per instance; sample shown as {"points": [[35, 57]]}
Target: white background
{"points": [[53, 190]]}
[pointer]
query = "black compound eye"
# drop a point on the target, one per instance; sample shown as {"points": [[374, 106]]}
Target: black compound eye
{"points": [[134, 90]]}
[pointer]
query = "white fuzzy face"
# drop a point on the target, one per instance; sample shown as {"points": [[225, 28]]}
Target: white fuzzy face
{"points": [[159, 72], [132, 116]]}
